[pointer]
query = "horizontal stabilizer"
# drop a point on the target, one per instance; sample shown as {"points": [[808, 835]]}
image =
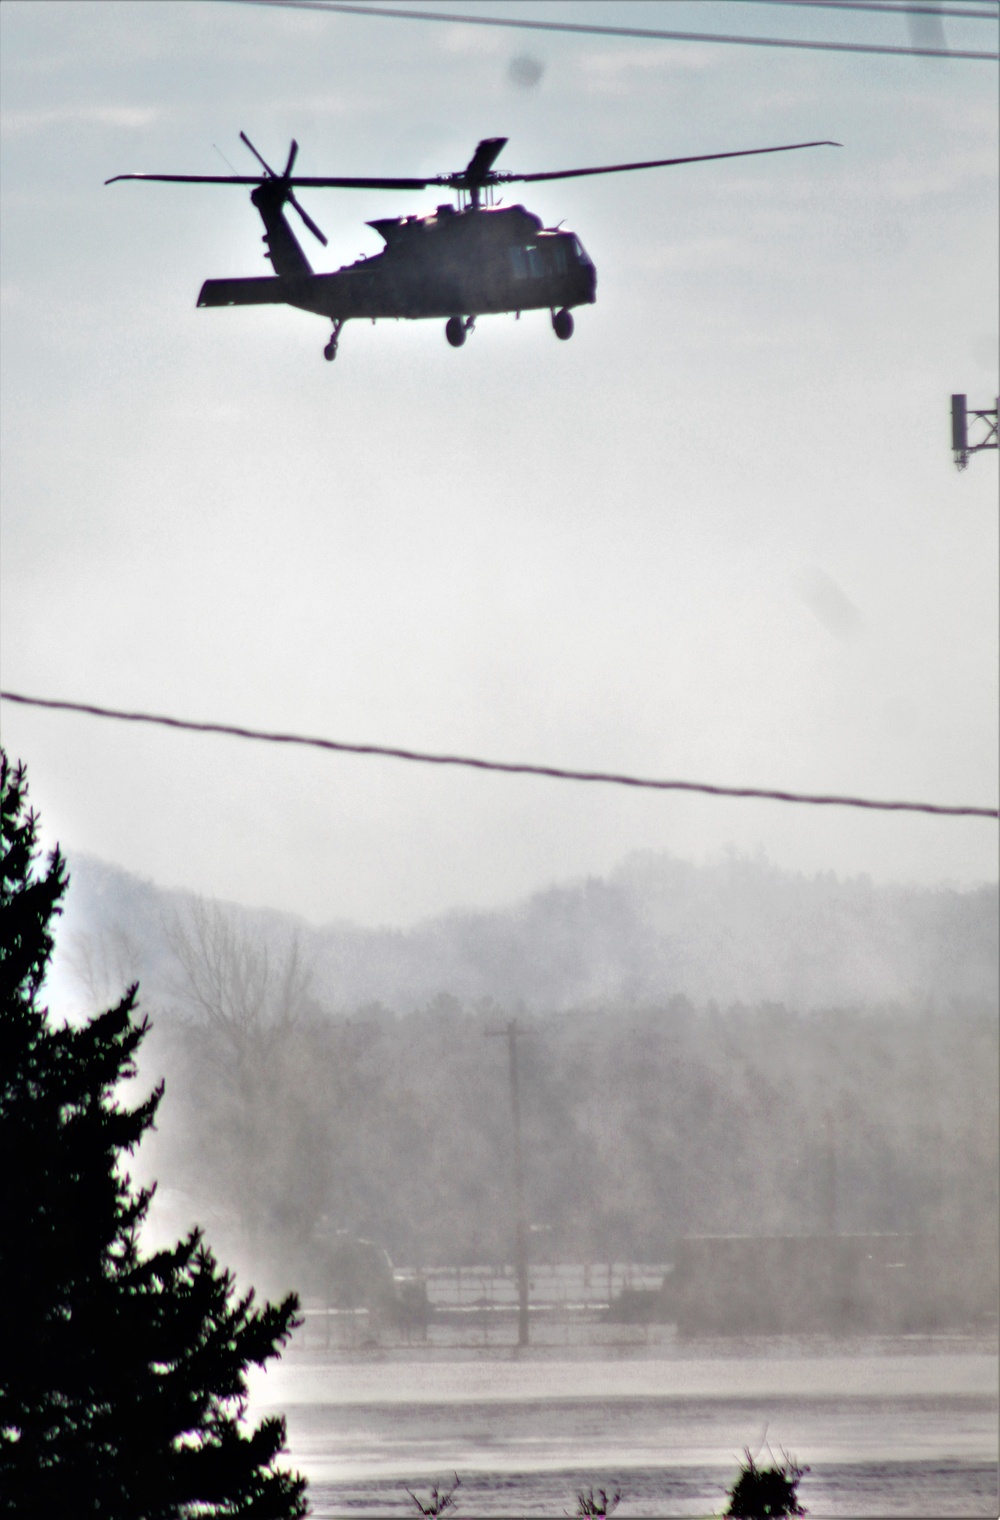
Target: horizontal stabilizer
{"points": [[268, 291]]}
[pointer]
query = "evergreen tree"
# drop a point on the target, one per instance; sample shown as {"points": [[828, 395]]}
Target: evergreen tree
{"points": [[122, 1376]]}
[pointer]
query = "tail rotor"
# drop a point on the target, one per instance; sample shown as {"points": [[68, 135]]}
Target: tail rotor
{"points": [[283, 181]]}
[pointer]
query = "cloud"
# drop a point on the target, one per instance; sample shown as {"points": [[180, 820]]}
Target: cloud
{"points": [[907, 180], [614, 67], [128, 118], [471, 39]]}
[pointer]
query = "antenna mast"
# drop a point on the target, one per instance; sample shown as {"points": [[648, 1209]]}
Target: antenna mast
{"points": [[960, 444]]}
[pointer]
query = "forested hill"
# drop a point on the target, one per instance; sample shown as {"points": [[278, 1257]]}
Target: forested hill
{"points": [[294, 1105], [736, 931]]}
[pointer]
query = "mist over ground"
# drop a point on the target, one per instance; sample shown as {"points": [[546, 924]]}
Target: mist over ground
{"points": [[724, 1048]]}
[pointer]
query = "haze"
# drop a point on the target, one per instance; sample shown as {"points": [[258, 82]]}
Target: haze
{"points": [[718, 535]]}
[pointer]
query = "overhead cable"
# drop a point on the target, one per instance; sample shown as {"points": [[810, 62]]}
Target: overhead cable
{"points": [[887, 7], [398, 13], [556, 773]]}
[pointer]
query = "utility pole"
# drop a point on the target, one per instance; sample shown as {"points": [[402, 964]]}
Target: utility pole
{"points": [[520, 1229], [960, 414], [830, 1175]]}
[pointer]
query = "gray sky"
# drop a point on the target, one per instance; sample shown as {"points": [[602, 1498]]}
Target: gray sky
{"points": [[717, 536]]}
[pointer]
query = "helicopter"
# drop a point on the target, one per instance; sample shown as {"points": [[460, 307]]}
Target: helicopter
{"points": [[465, 260]]}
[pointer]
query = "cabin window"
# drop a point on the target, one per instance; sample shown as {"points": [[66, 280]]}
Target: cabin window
{"points": [[536, 264], [518, 263], [560, 257]]}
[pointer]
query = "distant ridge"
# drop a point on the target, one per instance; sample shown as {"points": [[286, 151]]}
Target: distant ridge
{"points": [[739, 930]]}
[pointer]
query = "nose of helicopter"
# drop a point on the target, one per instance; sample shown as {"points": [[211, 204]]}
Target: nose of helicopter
{"points": [[584, 272], [587, 274]]}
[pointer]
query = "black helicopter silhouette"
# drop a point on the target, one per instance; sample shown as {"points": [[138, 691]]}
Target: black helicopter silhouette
{"points": [[462, 262]]}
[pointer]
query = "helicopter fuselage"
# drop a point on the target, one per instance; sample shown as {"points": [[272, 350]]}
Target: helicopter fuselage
{"points": [[454, 263]]}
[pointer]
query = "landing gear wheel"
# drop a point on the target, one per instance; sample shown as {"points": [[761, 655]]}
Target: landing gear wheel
{"points": [[455, 331], [330, 351], [562, 324]]}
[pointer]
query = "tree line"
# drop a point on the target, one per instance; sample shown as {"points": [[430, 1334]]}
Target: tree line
{"points": [[641, 1123]]}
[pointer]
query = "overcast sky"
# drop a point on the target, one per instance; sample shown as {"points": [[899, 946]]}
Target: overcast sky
{"points": [[717, 536]]}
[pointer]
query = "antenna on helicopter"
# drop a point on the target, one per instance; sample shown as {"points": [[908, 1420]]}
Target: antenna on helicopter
{"points": [[224, 158]]}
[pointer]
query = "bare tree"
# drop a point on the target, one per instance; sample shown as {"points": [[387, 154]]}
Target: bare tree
{"points": [[104, 962], [243, 990], [240, 979]]}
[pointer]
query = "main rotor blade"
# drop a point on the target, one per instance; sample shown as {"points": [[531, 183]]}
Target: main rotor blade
{"points": [[195, 179], [660, 163], [245, 139], [307, 219], [311, 182], [485, 154], [483, 159], [341, 182], [293, 150]]}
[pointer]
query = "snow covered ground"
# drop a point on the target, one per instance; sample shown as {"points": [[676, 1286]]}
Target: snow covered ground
{"points": [[901, 1427]]}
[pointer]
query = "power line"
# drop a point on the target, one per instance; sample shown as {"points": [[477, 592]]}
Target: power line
{"points": [[397, 13], [887, 7], [470, 762]]}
